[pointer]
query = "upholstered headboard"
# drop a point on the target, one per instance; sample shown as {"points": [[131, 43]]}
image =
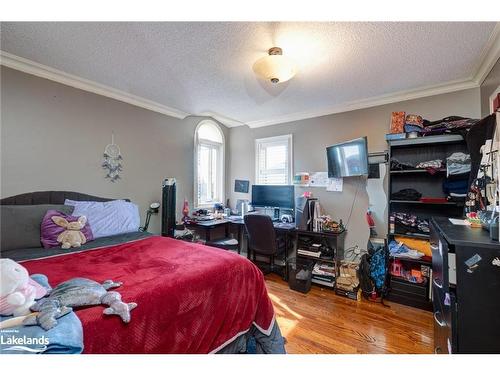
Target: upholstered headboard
{"points": [[50, 197]]}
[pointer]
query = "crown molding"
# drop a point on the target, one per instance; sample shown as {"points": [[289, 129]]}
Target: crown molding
{"points": [[486, 61], [27, 66], [489, 56], [370, 102], [224, 120]]}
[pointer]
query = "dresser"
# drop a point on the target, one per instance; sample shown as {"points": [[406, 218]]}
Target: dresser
{"points": [[465, 289]]}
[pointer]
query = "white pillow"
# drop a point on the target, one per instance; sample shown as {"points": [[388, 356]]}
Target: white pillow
{"points": [[108, 218]]}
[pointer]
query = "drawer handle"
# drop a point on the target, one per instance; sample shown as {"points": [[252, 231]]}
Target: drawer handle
{"points": [[438, 321], [437, 350], [436, 283]]}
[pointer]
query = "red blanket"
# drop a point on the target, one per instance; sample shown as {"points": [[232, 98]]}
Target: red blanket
{"points": [[191, 298]]}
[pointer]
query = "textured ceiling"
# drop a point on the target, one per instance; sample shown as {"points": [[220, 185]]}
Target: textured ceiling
{"points": [[204, 67]]}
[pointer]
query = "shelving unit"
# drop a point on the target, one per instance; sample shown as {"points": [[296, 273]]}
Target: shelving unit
{"points": [[413, 151], [334, 241]]}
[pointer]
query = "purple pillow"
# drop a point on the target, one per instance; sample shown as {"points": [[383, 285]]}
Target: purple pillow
{"points": [[50, 230]]}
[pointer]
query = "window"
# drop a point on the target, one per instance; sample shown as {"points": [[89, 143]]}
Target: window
{"points": [[209, 164], [273, 160]]}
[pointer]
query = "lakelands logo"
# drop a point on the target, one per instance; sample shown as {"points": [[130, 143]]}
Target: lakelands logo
{"points": [[23, 343]]}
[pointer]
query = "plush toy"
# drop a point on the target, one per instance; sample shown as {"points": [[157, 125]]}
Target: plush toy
{"points": [[72, 236], [17, 290], [79, 292]]}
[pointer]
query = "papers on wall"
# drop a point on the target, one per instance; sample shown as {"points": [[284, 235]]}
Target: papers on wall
{"points": [[319, 179], [301, 179], [335, 184]]}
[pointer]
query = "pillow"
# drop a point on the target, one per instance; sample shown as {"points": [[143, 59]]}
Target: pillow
{"points": [[50, 230], [20, 224], [108, 218]]}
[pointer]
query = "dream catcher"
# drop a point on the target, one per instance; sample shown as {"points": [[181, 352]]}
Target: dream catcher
{"points": [[112, 162]]}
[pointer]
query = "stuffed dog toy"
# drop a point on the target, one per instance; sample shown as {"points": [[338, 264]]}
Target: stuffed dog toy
{"points": [[72, 236], [17, 290]]}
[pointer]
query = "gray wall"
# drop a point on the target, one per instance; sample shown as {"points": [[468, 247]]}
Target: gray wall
{"points": [[312, 136], [491, 82], [53, 137]]}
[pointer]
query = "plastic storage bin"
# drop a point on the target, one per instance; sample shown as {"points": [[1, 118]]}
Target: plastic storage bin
{"points": [[300, 274]]}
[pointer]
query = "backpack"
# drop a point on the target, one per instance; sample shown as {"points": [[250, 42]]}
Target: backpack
{"points": [[372, 272]]}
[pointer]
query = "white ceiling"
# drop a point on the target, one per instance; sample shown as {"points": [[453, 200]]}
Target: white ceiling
{"points": [[206, 67]]}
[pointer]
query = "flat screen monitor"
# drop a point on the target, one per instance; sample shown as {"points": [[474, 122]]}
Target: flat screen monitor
{"points": [[348, 159], [282, 196]]}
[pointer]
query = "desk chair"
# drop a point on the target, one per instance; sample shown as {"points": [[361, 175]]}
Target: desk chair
{"points": [[262, 240]]}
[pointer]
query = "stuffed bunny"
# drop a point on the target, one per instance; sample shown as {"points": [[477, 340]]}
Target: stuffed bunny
{"points": [[17, 290], [72, 236]]}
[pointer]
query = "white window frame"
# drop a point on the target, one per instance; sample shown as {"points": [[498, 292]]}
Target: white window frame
{"points": [[280, 138], [220, 169]]}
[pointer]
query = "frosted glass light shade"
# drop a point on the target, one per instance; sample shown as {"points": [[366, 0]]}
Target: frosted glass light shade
{"points": [[275, 68]]}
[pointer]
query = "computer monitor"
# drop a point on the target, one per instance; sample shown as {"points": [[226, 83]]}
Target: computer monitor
{"points": [[282, 196]]}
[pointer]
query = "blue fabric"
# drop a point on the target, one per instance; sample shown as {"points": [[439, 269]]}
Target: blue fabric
{"points": [[397, 248], [378, 268], [65, 338], [456, 186], [108, 218]]}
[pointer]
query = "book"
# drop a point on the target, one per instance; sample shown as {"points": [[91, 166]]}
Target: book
{"points": [[309, 253]]}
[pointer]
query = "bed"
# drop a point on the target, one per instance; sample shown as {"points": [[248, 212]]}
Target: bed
{"points": [[191, 298]]}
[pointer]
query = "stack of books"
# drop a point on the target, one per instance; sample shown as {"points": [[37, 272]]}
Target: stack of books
{"points": [[312, 251], [324, 273], [309, 253]]}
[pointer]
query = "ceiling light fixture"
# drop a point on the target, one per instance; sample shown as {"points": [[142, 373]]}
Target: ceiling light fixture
{"points": [[275, 67]]}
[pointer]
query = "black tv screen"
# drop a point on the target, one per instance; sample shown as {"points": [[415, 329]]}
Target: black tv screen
{"points": [[348, 159], [282, 196]]}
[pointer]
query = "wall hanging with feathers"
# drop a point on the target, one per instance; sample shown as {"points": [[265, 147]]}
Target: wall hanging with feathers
{"points": [[112, 162]]}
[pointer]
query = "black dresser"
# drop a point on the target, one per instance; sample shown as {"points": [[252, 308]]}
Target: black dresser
{"points": [[465, 289]]}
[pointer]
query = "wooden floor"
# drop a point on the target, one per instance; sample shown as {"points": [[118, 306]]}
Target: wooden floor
{"points": [[322, 322]]}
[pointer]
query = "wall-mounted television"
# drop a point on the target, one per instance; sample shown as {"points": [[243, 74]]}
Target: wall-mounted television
{"points": [[348, 159]]}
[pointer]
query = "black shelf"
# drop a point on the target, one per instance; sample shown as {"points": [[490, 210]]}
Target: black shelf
{"points": [[425, 260], [397, 201], [413, 151], [403, 280], [411, 235], [423, 171], [328, 260]]}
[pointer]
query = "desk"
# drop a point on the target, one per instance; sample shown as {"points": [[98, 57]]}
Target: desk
{"points": [[209, 225]]}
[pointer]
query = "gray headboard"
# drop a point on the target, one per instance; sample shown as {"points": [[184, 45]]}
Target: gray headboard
{"points": [[50, 197]]}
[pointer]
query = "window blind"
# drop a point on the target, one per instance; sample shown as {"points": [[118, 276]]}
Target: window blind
{"points": [[273, 160]]}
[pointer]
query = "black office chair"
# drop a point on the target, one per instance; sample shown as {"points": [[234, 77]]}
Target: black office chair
{"points": [[262, 240]]}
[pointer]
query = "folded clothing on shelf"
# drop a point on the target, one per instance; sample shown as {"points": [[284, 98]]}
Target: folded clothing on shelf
{"points": [[406, 195], [407, 223], [455, 186], [458, 163], [436, 163], [422, 246], [400, 250], [396, 165], [448, 125]]}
